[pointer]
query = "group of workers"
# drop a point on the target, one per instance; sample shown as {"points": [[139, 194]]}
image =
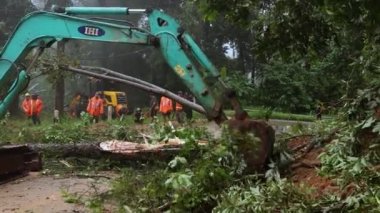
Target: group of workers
{"points": [[93, 106], [32, 107], [167, 107]]}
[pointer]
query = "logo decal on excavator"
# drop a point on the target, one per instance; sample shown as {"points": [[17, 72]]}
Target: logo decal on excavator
{"points": [[179, 70], [91, 31]]}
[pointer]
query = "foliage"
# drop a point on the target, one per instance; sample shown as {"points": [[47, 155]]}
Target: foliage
{"points": [[196, 187], [3, 131], [354, 155], [5, 120], [169, 131], [271, 196], [121, 132], [140, 189], [242, 86], [64, 134], [305, 51], [263, 113], [70, 198], [52, 66], [11, 12], [363, 107], [283, 86]]}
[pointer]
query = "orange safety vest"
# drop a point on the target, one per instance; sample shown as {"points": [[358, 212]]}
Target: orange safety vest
{"points": [[178, 106], [39, 106], [34, 107], [74, 105], [120, 109], [95, 106], [166, 105], [26, 105]]}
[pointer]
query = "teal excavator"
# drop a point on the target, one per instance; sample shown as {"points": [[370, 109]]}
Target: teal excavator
{"points": [[39, 30]]}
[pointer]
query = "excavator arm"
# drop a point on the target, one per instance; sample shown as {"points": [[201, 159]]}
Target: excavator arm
{"points": [[42, 29]]}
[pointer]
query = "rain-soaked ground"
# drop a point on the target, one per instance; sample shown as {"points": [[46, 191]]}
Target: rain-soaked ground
{"points": [[39, 193]]}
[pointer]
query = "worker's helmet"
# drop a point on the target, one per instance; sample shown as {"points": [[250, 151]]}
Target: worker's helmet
{"points": [[27, 94]]}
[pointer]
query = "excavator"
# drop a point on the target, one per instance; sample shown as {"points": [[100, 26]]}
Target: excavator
{"points": [[39, 30]]}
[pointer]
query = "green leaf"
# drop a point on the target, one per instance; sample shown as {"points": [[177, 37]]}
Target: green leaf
{"points": [[177, 161], [368, 122], [376, 129]]}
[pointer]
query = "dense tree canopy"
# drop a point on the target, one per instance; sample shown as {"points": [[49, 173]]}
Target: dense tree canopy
{"points": [[326, 49]]}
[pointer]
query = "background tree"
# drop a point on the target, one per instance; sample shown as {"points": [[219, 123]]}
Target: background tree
{"points": [[331, 45], [10, 14], [59, 78]]}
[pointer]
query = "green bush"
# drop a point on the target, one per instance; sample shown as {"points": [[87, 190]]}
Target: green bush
{"points": [[61, 133]]}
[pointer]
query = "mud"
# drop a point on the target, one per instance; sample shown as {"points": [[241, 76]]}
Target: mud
{"points": [[304, 169], [38, 193]]}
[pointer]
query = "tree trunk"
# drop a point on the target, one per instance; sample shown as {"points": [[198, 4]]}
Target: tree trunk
{"points": [[60, 82], [59, 86], [117, 150], [59, 94], [246, 60]]}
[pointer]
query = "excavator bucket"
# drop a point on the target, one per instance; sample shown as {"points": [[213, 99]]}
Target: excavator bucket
{"points": [[16, 161]]}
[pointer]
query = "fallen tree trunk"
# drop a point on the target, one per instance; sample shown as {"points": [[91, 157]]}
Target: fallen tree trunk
{"points": [[88, 150], [114, 149]]}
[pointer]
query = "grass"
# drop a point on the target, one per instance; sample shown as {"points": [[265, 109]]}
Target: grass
{"points": [[260, 113], [21, 130]]}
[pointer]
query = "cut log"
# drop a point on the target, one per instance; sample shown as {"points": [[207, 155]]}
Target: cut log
{"points": [[90, 150], [114, 149]]}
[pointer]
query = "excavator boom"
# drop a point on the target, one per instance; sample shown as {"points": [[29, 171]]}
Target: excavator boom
{"points": [[41, 29]]}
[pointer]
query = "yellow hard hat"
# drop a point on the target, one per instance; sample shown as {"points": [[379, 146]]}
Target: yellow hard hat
{"points": [[27, 94]]}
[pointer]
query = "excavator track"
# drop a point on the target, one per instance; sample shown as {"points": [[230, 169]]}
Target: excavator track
{"points": [[16, 161]]}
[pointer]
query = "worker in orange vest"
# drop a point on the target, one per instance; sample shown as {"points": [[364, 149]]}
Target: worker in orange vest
{"points": [[179, 109], [121, 111], [74, 106], [95, 107], [166, 107], [35, 109], [26, 104]]}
